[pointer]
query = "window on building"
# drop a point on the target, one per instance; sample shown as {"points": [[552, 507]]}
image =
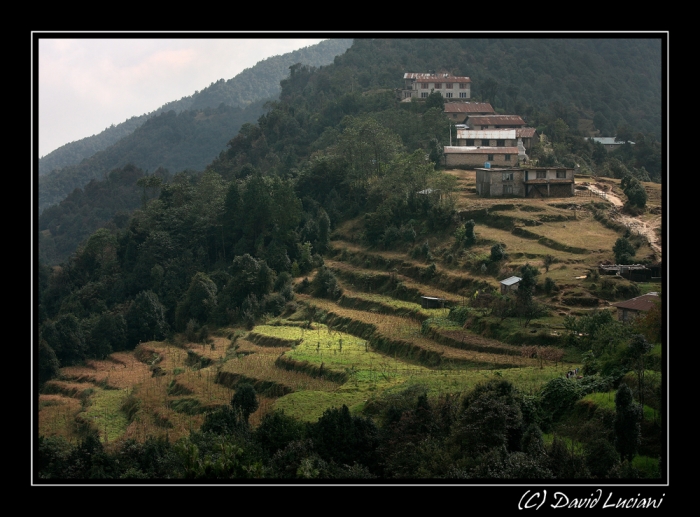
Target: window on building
{"points": [[448, 95], [470, 141], [561, 174], [424, 95], [507, 189], [540, 175], [448, 86], [507, 157], [500, 143], [424, 86], [462, 95], [485, 141], [507, 176], [462, 86]]}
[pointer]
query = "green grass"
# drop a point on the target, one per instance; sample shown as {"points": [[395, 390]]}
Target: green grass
{"points": [[340, 351], [105, 415], [548, 439], [649, 467], [309, 406], [650, 287], [607, 401], [371, 373]]}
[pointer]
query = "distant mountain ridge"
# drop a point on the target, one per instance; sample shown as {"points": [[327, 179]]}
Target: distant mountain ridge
{"points": [[252, 84]]}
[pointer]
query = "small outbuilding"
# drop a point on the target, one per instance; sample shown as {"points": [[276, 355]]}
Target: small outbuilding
{"points": [[630, 309], [510, 284], [430, 302]]}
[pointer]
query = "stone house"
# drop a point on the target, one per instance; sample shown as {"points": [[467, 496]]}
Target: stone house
{"points": [[530, 182], [630, 309]]}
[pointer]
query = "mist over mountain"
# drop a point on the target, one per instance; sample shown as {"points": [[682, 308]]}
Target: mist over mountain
{"points": [[252, 84]]}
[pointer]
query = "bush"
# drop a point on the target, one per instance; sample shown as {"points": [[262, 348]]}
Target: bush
{"points": [[497, 253], [624, 251], [325, 285], [549, 285]]}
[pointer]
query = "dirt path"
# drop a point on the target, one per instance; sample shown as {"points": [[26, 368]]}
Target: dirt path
{"points": [[635, 224]]}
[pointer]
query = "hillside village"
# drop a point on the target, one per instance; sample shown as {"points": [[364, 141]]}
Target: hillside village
{"points": [[379, 313]]}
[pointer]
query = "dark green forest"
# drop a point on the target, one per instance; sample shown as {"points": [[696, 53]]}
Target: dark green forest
{"points": [[189, 242]]}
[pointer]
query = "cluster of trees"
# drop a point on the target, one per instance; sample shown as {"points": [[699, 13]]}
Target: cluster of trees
{"points": [[492, 432]]}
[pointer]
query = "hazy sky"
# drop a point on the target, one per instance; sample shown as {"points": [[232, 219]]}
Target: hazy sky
{"points": [[87, 84]]}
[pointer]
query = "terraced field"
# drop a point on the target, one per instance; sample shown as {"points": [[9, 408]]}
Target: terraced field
{"points": [[375, 338]]}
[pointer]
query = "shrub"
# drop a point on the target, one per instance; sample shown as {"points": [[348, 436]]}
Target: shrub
{"points": [[325, 285], [549, 285], [497, 253]]}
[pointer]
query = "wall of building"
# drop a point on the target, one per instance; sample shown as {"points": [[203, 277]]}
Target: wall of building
{"points": [[478, 160], [492, 184]]}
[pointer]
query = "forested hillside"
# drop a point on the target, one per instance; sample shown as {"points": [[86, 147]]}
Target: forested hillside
{"points": [[252, 84], [188, 140], [296, 261]]}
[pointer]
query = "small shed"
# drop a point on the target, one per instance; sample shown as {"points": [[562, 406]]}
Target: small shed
{"points": [[630, 309], [510, 284], [430, 302]]}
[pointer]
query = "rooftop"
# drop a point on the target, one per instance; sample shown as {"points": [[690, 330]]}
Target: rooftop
{"points": [[511, 280], [478, 150], [607, 140], [468, 107], [441, 77], [640, 303], [496, 119]]}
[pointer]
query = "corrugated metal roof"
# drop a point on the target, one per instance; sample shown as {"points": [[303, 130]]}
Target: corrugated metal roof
{"points": [[640, 303], [496, 134], [525, 132], [496, 119], [442, 77], [479, 150], [468, 107], [512, 280], [607, 140]]}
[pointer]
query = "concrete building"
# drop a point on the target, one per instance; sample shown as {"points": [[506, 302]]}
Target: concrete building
{"points": [[420, 85], [487, 137], [471, 157]]}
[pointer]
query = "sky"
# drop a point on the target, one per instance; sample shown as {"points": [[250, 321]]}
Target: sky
{"points": [[87, 84]]}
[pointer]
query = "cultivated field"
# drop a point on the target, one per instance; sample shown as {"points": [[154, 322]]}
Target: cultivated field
{"points": [[376, 338]]}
